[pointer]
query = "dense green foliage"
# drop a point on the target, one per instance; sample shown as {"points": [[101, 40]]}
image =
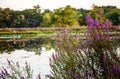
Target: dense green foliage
{"points": [[62, 17]]}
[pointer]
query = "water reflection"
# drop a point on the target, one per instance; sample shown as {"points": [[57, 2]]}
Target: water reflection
{"points": [[33, 45]]}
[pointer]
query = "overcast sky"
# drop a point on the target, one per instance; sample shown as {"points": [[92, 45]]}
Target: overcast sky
{"points": [[53, 4]]}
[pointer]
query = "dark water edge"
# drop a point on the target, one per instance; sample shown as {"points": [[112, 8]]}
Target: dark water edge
{"points": [[33, 45]]}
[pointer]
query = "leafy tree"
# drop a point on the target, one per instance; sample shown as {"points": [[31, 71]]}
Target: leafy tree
{"points": [[46, 16], [4, 17], [65, 16], [33, 18], [114, 16], [82, 12]]}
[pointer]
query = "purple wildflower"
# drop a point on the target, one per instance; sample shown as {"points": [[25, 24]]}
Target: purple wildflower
{"points": [[53, 56], [89, 29], [67, 40], [5, 71], [88, 19], [104, 59], [2, 72], [69, 71], [22, 77], [114, 67], [108, 71], [96, 22], [119, 69], [99, 35], [89, 43], [78, 36], [39, 76], [101, 25], [107, 24], [114, 56], [84, 75], [91, 73], [106, 37], [101, 13], [76, 75], [108, 33], [115, 33], [92, 23], [9, 62], [51, 65], [64, 32], [60, 43]]}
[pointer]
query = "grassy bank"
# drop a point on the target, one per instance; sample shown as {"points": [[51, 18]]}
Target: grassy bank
{"points": [[41, 32]]}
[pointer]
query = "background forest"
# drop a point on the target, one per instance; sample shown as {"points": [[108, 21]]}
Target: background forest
{"points": [[61, 17]]}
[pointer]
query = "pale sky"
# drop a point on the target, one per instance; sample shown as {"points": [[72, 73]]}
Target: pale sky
{"points": [[54, 4]]}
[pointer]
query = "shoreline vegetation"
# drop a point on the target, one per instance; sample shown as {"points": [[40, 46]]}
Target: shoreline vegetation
{"points": [[46, 31]]}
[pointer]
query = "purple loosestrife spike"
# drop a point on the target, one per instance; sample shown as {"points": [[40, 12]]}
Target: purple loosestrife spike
{"points": [[64, 32], [107, 32], [101, 13], [2, 72], [92, 24], [53, 56], [114, 56], [107, 24], [51, 65], [39, 76], [6, 72], [69, 71], [84, 75], [76, 75], [89, 43], [119, 69], [101, 25], [9, 62], [78, 37], [99, 35], [88, 19], [22, 77], [115, 33], [104, 59], [90, 29], [60, 43], [91, 73], [96, 22], [67, 40], [108, 71], [106, 37], [114, 67]]}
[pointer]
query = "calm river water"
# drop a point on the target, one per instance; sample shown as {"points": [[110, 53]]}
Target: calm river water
{"points": [[39, 63], [28, 50]]}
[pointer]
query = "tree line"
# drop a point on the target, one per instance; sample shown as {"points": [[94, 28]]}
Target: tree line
{"points": [[61, 17]]}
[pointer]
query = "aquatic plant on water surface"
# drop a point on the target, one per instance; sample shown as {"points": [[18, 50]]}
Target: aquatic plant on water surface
{"points": [[96, 57]]}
